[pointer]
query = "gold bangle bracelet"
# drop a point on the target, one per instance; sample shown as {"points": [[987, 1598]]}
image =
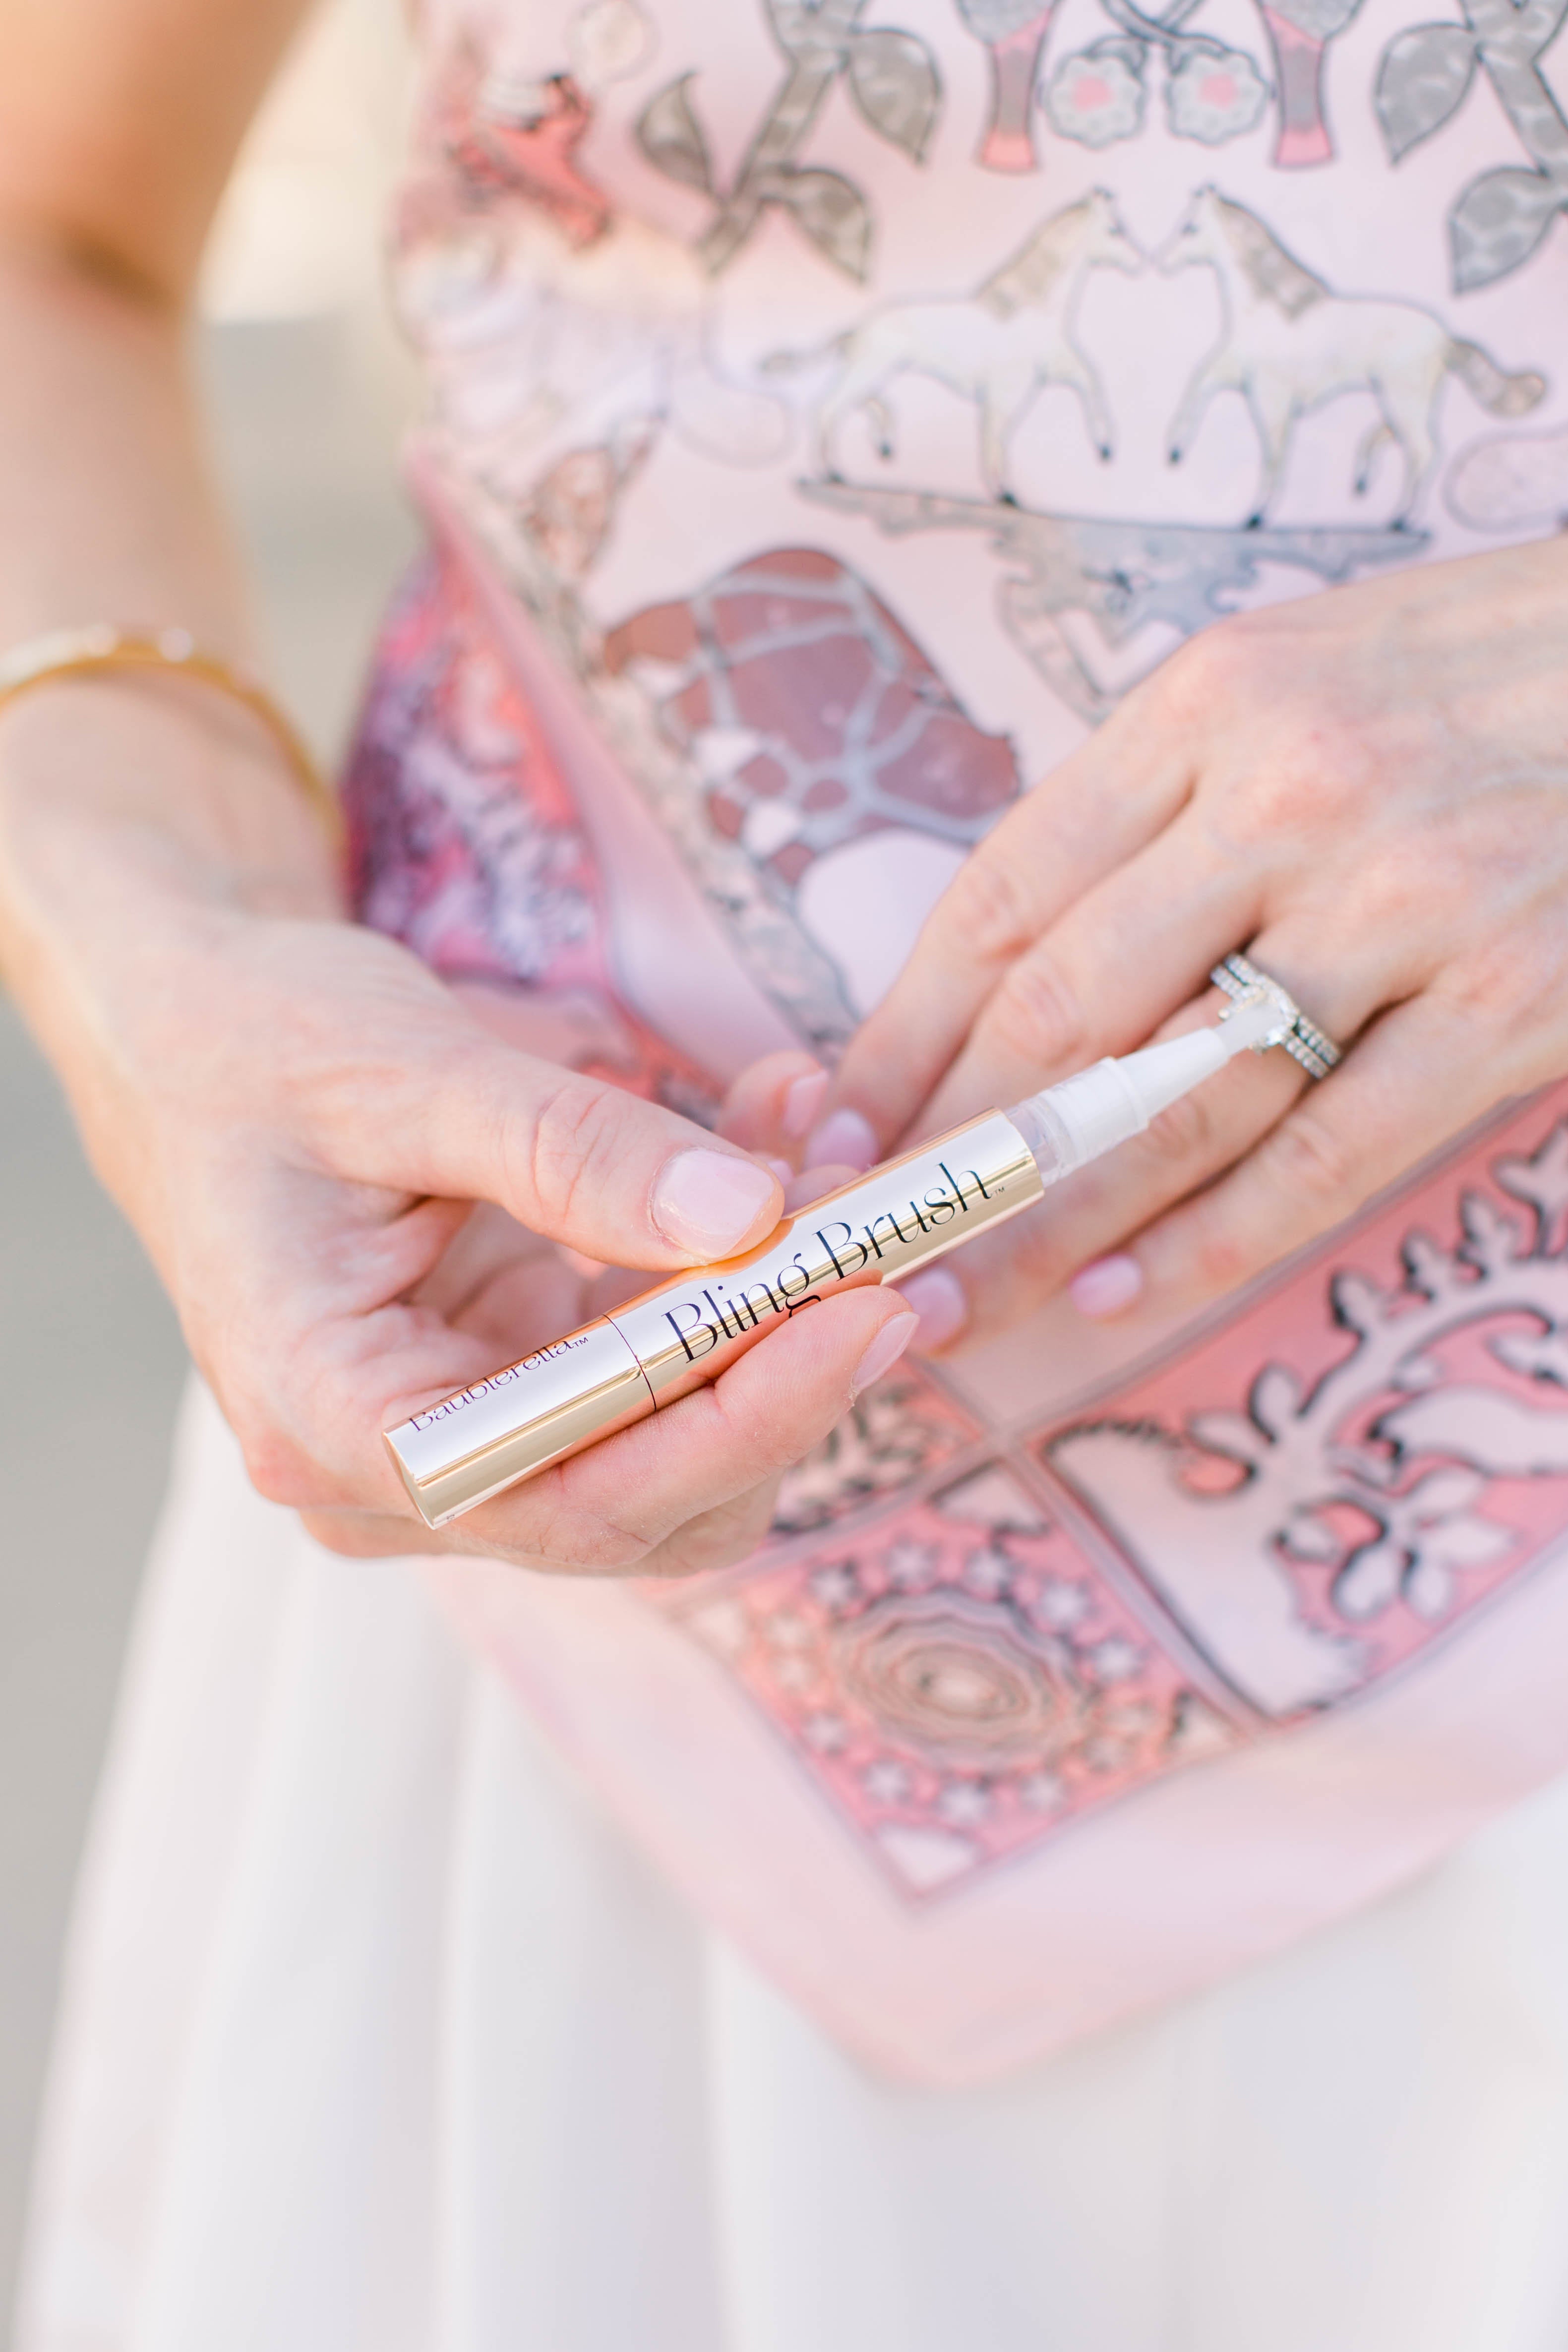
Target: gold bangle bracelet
{"points": [[101, 648]]}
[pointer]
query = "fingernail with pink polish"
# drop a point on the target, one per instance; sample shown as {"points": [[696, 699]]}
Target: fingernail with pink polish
{"points": [[938, 1298], [708, 1202], [1107, 1286], [884, 1351], [844, 1139], [801, 1102]]}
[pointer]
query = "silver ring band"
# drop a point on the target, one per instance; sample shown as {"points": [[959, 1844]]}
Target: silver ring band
{"points": [[1303, 1039]]}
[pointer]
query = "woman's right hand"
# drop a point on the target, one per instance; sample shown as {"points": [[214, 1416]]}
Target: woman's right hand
{"points": [[300, 1117]]}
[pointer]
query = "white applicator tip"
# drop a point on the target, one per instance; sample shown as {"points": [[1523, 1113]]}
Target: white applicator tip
{"points": [[1114, 1100], [1258, 1022]]}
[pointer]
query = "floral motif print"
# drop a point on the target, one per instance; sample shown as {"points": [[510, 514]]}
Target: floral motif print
{"points": [[1212, 91], [1096, 96], [1412, 1461], [1215, 95]]}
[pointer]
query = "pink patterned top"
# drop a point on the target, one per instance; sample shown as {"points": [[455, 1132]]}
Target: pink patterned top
{"points": [[804, 389]]}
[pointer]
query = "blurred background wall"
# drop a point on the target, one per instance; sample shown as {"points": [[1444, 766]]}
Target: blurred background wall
{"points": [[308, 393]]}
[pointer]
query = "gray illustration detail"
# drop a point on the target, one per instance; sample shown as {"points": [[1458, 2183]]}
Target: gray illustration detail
{"points": [[806, 718], [1510, 481], [1014, 33], [1427, 72], [998, 348], [1289, 345], [1299, 32], [893, 80], [1213, 92], [1120, 576]]}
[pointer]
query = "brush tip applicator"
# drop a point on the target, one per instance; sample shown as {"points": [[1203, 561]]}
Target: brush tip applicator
{"points": [[582, 1387]]}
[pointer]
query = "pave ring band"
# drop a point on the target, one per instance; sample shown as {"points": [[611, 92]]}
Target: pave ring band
{"points": [[1303, 1039]]}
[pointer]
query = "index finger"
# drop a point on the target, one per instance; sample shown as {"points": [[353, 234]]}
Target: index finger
{"points": [[1093, 812]]}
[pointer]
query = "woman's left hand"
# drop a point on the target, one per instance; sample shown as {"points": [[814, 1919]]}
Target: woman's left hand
{"points": [[1366, 790]]}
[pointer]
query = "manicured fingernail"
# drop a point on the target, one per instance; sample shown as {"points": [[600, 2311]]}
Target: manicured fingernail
{"points": [[801, 1102], [843, 1141], [709, 1202], [937, 1298], [781, 1167], [884, 1351], [1106, 1286]]}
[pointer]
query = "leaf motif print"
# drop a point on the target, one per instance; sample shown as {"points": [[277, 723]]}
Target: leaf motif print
{"points": [[1498, 222], [1500, 218], [671, 138], [1424, 77], [893, 82], [832, 213]]}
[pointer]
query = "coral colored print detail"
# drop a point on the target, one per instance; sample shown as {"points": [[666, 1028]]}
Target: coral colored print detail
{"points": [[1340, 1475], [960, 1681], [895, 1435], [464, 843]]}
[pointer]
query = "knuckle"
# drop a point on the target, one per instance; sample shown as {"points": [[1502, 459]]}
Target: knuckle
{"points": [[1035, 1014], [1204, 678], [570, 1150], [990, 909], [573, 1538], [1305, 1160], [277, 1469], [341, 1533], [1183, 1133], [1221, 1263], [1312, 777]]}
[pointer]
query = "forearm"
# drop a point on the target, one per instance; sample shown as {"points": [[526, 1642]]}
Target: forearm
{"points": [[129, 810]]}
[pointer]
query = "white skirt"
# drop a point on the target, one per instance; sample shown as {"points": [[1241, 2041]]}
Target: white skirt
{"points": [[379, 2037]]}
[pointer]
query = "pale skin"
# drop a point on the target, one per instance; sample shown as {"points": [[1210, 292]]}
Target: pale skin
{"points": [[352, 1184]]}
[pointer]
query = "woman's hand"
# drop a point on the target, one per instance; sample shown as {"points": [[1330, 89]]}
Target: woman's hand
{"points": [[1367, 790], [300, 1118]]}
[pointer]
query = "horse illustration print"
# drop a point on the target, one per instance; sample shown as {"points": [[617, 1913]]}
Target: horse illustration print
{"points": [[1290, 344], [998, 347]]}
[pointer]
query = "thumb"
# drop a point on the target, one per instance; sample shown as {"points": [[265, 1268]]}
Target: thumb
{"points": [[570, 1157]]}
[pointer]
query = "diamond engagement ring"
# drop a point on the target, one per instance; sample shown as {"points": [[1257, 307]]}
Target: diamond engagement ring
{"points": [[1303, 1039]]}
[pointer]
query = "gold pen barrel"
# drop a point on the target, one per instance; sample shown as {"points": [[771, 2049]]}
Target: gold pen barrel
{"points": [[687, 1329]]}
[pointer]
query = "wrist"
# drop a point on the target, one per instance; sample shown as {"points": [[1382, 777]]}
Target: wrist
{"points": [[135, 823], [169, 787]]}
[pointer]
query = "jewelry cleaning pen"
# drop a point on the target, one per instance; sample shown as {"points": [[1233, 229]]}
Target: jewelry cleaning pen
{"points": [[690, 1326]]}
